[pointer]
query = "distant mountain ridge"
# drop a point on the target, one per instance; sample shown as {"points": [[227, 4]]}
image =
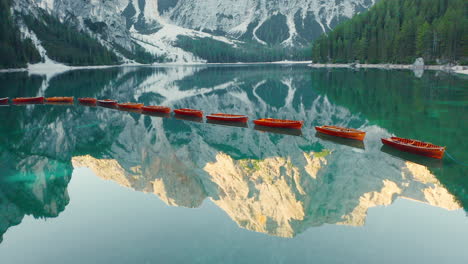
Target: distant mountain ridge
{"points": [[150, 31]]}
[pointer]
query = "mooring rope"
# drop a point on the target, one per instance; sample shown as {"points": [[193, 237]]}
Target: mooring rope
{"points": [[455, 160]]}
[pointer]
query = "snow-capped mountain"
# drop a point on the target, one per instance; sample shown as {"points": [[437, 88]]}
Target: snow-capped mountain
{"points": [[158, 25]]}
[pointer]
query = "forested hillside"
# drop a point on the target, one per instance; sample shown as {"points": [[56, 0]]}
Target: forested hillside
{"points": [[66, 44], [398, 31], [14, 52], [214, 51]]}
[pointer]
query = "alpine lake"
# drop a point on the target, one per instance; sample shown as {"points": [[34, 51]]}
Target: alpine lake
{"points": [[87, 184]]}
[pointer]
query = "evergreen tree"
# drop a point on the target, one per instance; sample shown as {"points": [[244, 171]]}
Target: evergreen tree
{"points": [[65, 44], [14, 51], [423, 40], [398, 31]]}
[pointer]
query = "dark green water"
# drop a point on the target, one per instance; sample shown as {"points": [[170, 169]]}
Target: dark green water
{"points": [[85, 184]]}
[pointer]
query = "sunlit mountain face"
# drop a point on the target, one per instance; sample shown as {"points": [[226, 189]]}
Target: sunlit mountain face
{"points": [[275, 182]]}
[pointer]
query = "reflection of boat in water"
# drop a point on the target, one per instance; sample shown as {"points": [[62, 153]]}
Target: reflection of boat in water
{"points": [[189, 118], [415, 146], [280, 123], [227, 123], [156, 114], [130, 110], [134, 106], [88, 104], [110, 106], [343, 141], [342, 132], [278, 130], [156, 109], [406, 156]]}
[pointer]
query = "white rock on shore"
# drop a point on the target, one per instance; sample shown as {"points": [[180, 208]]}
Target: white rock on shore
{"points": [[456, 69]]}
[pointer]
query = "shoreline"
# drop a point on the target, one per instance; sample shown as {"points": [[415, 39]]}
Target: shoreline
{"points": [[40, 68], [47, 68], [455, 69]]}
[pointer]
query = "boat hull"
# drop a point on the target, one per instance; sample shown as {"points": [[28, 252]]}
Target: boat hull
{"points": [[228, 118], [272, 123], [227, 123], [87, 100], [436, 153], [195, 113], [279, 130], [4, 100], [28, 100], [350, 135], [342, 141], [156, 109]]}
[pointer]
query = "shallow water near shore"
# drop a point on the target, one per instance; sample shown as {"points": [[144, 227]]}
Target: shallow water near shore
{"points": [[83, 184]]}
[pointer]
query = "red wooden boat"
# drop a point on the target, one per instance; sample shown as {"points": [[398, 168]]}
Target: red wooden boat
{"points": [[415, 146], [282, 123], [130, 105], [4, 100], [107, 102], [189, 112], [341, 132], [87, 100], [60, 99], [227, 117], [28, 100], [157, 109]]}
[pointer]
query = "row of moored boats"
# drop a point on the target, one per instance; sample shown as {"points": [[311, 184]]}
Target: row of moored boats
{"points": [[407, 145]]}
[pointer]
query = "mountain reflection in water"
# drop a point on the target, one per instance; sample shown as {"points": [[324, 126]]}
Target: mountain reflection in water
{"points": [[266, 181]]}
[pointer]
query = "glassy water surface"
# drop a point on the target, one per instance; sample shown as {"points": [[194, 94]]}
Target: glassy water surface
{"points": [[83, 184]]}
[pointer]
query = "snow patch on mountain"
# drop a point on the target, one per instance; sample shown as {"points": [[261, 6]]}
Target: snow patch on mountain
{"points": [[162, 42], [235, 17]]}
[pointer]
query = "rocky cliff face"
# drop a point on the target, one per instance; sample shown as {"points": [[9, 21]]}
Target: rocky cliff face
{"points": [[293, 22], [156, 25]]}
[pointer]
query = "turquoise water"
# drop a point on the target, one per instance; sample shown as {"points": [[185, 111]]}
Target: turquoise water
{"points": [[85, 184]]}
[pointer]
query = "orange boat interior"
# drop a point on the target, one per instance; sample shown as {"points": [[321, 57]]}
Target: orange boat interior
{"points": [[157, 107], [28, 98], [227, 115], [188, 110], [61, 99], [279, 120], [341, 129], [130, 104], [415, 143]]}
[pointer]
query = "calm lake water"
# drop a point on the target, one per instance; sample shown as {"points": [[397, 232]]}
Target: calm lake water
{"points": [[82, 184]]}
